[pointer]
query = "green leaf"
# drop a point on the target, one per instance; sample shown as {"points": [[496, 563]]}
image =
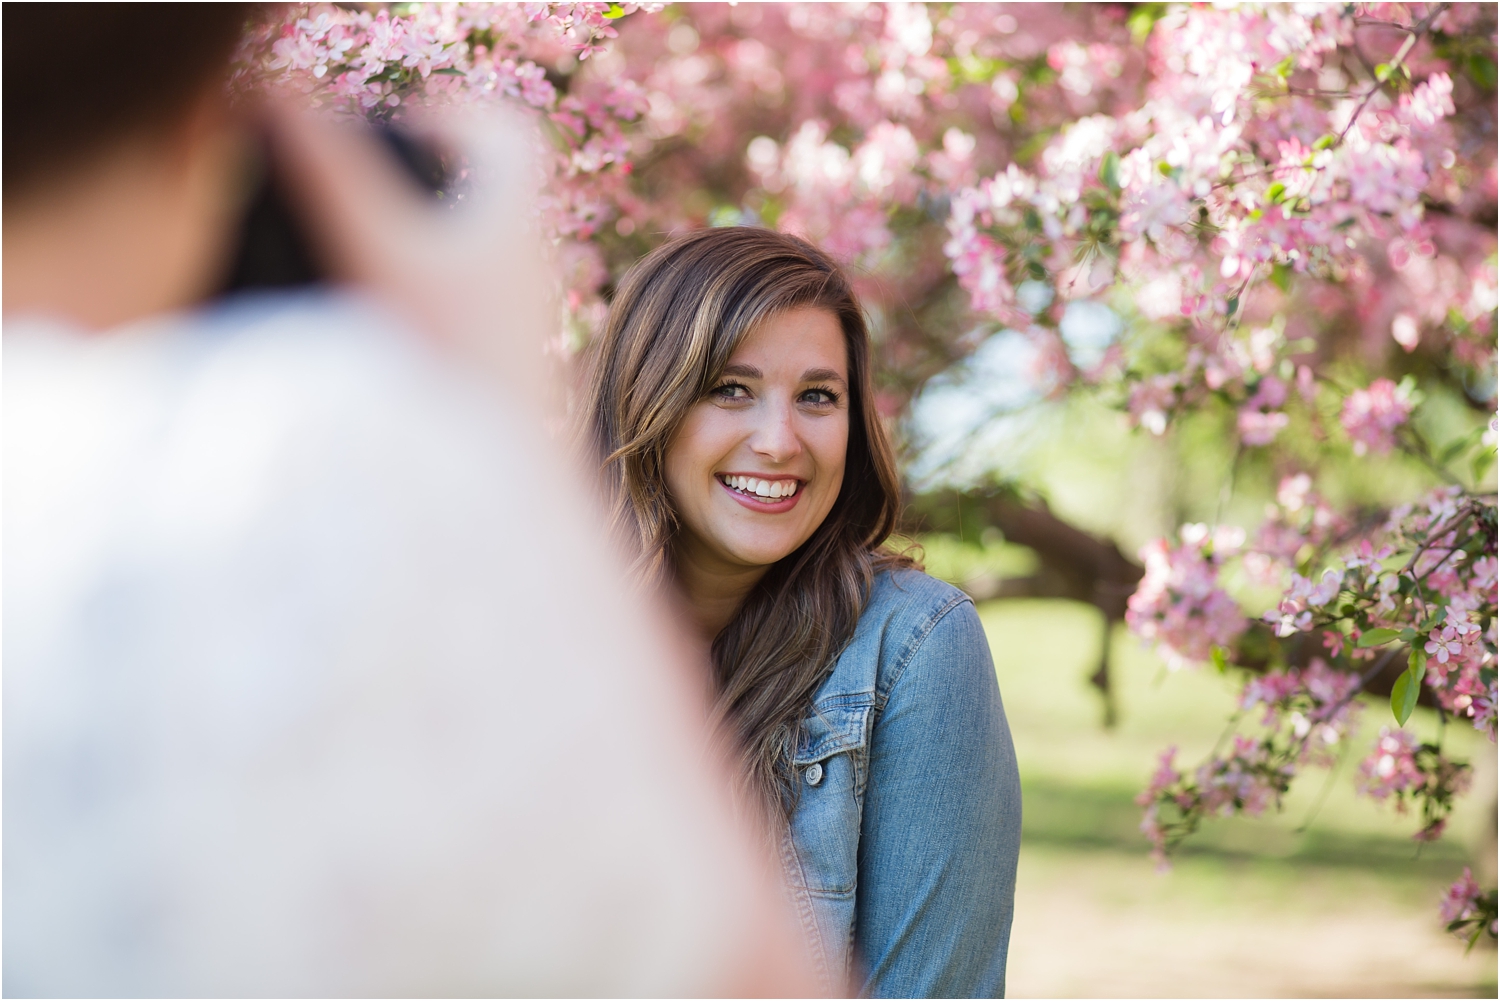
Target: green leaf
{"points": [[1275, 192], [448, 71], [1454, 449], [1143, 18], [615, 10], [1284, 68], [1377, 637], [975, 69], [1326, 142], [1109, 170], [1281, 277], [1220, 663], [1482, 462], [1383, 72], [1482, 69], [1404, 697], [1232, 305]]}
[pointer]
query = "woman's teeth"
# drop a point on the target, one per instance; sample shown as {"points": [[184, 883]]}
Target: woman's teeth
{"points": [[762, 489]]}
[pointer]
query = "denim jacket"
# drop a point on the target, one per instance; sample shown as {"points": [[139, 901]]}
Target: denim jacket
{"points": [[902, 846]]}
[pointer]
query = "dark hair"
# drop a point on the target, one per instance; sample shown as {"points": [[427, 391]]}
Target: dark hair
{"points": [[676, 319], [81, 76]]}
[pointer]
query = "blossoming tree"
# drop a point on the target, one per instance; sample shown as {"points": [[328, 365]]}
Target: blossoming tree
{"points": [[1285, 214]]}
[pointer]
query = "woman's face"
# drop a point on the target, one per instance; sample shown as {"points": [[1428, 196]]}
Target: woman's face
{"points": [[759, 461]]}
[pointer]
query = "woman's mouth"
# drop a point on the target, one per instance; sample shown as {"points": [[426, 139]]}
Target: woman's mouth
{"points": [[758, 494]]}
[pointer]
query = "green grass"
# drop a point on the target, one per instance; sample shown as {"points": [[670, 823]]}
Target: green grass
{"points": [[1343, 905]]}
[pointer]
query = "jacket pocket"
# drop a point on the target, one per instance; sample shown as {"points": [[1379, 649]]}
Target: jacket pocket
{"points": [[835, 725], [830, 765]]}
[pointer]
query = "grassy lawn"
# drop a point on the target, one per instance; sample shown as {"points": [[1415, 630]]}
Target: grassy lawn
{"points": [[1345, 908]]}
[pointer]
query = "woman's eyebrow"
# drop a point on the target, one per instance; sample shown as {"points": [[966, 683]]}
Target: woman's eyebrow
{"points": [[822, 375], [744, 371]]}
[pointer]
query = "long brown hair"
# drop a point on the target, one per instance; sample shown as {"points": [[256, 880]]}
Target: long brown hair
{"points": [[675, 320]]}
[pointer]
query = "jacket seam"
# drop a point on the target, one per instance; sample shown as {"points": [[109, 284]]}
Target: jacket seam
{"points": [[802, 897], [919, 637]]}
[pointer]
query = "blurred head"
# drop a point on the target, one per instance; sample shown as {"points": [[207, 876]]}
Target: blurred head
{"points": [[121, 171], [731, 405]]}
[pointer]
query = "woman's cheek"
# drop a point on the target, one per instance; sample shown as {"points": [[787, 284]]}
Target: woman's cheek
{"points": [[831, 449]]}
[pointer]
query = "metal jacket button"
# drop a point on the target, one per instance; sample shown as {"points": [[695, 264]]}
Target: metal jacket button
{"points": [[814, 773]]}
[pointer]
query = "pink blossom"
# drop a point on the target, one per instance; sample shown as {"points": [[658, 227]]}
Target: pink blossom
{"points": [[1391, 767], [1462, 899], [1165, 777], [1294, 612], [1239, 781], [1178, 604], [1429, 102], [1404, 331], [1150, 402], [1371, 416], [1259, 427]]}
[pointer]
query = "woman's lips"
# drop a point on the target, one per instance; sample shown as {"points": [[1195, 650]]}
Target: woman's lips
{"points": [[762, 505]]}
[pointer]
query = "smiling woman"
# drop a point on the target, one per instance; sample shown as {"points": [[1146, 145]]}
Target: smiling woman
{"points": [[731, 409], [768, 439]]}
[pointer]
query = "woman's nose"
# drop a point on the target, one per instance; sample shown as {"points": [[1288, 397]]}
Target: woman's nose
{"points": [[775, 436]]}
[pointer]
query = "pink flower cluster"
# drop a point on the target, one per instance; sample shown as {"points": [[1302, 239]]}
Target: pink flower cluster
{"points": [[1459, 642], [1468, 910], [1404, 771], [1371, 416], [1165, 787], [375, 63], [837, 197], [1244, 780], [1294, 613], [979, 259], [1312, 707], [1179, 605], [1248, 779], [1391, 767], [1301, 517], [1299, 191], [1461, 900], [464, 51], [1459, 657]]}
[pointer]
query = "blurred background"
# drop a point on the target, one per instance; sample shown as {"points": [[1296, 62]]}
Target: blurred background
{"points": [[1329, 898]]}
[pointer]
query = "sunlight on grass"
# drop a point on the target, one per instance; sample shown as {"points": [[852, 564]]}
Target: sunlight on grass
{"points": [[1252, 906]]}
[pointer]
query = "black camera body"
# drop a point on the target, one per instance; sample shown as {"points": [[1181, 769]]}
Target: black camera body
{"points": [[274, 251]]}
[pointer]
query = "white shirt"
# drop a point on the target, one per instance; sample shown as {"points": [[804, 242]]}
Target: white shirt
{"points": [[319, 679]]}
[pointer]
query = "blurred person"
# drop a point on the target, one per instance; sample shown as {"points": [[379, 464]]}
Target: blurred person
{"points": [[319, 678], [732, 410]]}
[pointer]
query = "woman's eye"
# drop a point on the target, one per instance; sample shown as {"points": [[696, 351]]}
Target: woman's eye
{"points": [[730, 391], [820, 397]]}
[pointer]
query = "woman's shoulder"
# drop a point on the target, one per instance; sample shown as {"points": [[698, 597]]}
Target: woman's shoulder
{"points": [[904, 608], [908, 595]]}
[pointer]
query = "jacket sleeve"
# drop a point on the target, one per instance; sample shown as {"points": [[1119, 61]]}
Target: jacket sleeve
{"points": [[941, 829]]}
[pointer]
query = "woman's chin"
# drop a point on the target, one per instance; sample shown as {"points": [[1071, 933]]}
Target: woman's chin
{"points": [[761, 552]]}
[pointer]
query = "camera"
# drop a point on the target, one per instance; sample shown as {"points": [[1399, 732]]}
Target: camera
{"points": [[273, 250]]}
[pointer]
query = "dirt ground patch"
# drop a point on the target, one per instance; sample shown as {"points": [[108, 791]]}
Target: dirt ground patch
{"points": [[1105, 924]]}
